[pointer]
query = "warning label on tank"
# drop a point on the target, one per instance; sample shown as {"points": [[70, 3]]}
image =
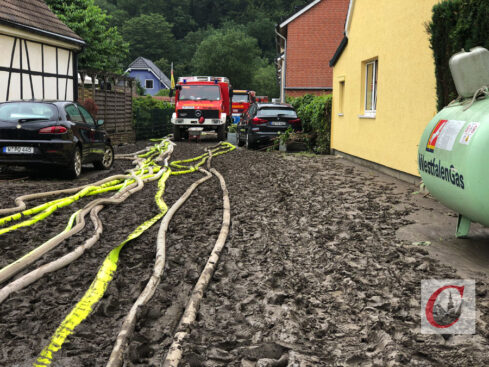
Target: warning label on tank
{"points": [[444, 135], [448, 134], [469, 133]]}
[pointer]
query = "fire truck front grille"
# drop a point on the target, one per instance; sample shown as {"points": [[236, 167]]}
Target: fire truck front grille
{"points": [[208, 114]]}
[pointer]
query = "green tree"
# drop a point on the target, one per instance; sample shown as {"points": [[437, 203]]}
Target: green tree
{"points": [[265, 82], [105, 49], [262, 28], [231, 53], [164, 65], [149, 36]]}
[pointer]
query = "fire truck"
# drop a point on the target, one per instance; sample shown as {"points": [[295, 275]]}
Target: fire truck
{"points": [[241, 102], [202, 103]]}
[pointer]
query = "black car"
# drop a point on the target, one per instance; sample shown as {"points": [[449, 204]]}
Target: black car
{"points": [[63, 134], [264, 121]]}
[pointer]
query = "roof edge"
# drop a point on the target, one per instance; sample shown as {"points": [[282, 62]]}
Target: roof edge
{"points": [[299, 13], [43, 32], [339, 51], [349, 17]]}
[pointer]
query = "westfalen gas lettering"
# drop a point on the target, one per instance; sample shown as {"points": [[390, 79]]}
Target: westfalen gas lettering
{"points": [[435, 168]]}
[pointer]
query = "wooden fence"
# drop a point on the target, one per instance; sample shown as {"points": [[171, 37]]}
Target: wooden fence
{"points": [[113, 96]]}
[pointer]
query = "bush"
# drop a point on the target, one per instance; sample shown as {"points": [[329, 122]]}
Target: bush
{"points": [[315, 113], [455, 25], [151, 117], [441, 29], [163, 93]]}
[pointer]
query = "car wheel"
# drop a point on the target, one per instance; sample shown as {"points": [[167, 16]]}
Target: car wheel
{"points": [[238, 138], [221, 133], [75, 166], [177, 133], [107, 159], [249, 141]]}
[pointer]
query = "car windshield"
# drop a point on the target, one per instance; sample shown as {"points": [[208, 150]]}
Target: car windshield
{"points": [[27, 111], [199, 93], [240, 98], [274, 111]]}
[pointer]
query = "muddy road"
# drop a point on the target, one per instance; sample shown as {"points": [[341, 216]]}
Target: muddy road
{"points": [[313, 273]]}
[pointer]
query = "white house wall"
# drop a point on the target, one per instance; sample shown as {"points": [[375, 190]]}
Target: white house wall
{"points": [[35, 70]]}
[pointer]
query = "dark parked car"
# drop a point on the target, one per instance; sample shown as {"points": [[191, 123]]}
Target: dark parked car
{"points": [[264, 121], [63, 134]]}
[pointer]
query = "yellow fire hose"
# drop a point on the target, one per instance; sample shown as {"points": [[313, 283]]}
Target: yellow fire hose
{"points": [[105, 274], [130, 180]]}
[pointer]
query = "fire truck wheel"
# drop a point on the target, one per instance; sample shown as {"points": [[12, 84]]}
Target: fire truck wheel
{"points": [[221, 133], [177, 133]]}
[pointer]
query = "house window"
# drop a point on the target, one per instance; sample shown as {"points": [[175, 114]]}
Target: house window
{"points": [[341, 97], [149, 84], [370, 105]]}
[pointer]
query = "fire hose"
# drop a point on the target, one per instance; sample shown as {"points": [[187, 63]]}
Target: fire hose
{"points": [[108, 268], [131, 184]]}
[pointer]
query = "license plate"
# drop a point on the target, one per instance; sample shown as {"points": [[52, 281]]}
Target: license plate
{"points": [[18, 150], [278, 123]]}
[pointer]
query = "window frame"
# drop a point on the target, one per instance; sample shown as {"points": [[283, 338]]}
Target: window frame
{"points": [[370, 112], [341, 97], [146, 84]]}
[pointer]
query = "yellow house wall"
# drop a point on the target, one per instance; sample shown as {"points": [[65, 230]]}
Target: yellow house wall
{"points": [[394, 32]]}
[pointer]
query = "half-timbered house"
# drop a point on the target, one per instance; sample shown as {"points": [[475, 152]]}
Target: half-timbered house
{"points": [[38, 53]]}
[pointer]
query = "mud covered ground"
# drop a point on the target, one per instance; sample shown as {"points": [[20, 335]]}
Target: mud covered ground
{"points": [[313, 273]]}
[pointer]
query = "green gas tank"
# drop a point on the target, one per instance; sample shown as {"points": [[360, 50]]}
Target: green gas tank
{"points": [[453, 154]]}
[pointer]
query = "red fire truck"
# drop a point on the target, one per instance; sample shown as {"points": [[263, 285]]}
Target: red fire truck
{"points": [[241, 102], [201, 103]]}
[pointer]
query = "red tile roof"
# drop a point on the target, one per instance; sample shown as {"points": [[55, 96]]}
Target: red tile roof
{"points": [[35, 14]]}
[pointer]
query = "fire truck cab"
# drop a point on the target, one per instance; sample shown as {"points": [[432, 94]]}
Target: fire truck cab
{"points": [[202, 103], [241, 102]]}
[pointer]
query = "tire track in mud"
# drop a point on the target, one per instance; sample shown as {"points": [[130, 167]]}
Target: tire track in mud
{"points": [[314, 275]]}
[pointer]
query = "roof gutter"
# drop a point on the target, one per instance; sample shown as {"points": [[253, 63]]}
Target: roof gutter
{"points": [[344, 41], [284, 67], [339, 51]]}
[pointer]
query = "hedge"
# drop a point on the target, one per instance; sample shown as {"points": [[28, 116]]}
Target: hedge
{"points": [[151, 117], [315, 113], [455, 25]]}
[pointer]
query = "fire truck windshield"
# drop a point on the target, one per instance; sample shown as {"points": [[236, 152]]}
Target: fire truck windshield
{"points": [[240, 98], [199, 93]]}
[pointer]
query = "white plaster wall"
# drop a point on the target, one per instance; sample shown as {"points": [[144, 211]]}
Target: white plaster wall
{"points": [[50, 59], [14, 93], [36, 52], [6, 44], [50, 88], [35, 56]]}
